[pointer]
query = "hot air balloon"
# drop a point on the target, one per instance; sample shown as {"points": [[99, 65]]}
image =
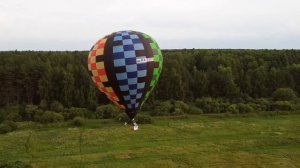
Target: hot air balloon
{"points": [[125, 66]]}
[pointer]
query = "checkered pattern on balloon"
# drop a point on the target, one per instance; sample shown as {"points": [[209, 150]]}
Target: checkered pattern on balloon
{"points": [[125, 66]]}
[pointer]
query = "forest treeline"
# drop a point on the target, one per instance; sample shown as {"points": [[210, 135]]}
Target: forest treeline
{"points": [[29, 77]]}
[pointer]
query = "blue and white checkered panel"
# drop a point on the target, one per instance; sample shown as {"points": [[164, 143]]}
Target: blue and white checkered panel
{"points": [[125, 56]]}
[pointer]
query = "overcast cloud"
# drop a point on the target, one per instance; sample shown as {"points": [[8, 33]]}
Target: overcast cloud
{"points": [[77, 24]]}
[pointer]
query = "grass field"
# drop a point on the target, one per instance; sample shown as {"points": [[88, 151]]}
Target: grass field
{"points": [[198, 141]]}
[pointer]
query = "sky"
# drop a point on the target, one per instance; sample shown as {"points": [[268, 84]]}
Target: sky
{"points": [[175, 24]]}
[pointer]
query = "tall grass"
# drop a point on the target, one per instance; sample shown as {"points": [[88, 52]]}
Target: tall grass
{"points": [[196, 141]]}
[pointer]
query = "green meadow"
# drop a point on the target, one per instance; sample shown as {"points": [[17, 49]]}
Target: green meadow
{"points": [[195, 141]]}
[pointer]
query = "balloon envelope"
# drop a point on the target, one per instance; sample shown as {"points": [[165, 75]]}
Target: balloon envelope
{"points": [[125, 66]]}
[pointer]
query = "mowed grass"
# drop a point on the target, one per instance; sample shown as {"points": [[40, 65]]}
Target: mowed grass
{"points": [[198, 141]]}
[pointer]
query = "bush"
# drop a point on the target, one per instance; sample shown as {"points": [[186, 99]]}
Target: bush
{"points": [[194, 110], [179, 108], [122, 117], [284, 94], [49, 117], [223, 106], [4, 128], [8, 126], [170, 107], [13, 116], [256, 107], [11, 124], [29, 112], [44, 105], [2, 115], [37, 115], [233, 109], [12, 113], [209, 105], [162, 109], [262, 104], [143, 119], [75, 112], [245, 108], [282, 105], [297, 105], [177, 112], [78, 121], [56, 106], [107, 111], [181, 105]]}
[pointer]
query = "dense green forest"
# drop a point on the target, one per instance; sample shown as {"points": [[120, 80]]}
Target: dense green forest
{"points": [[28, 77], [55, 86]]}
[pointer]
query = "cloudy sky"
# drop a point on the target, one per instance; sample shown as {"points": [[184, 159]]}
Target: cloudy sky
{"points": [[77, 24]]}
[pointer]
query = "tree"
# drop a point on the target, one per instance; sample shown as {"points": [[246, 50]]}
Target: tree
{"points": [[221, 83], [294, 71], [284, 94], [199, 83]]}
